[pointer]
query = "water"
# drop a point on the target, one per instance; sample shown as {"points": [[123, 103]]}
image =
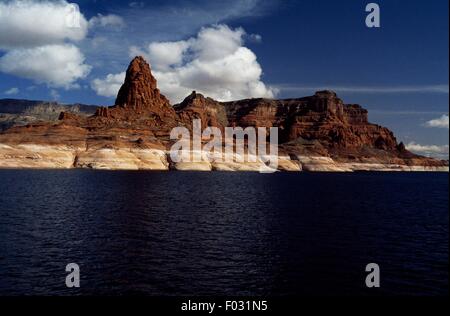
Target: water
{"points": [[151, 233]]}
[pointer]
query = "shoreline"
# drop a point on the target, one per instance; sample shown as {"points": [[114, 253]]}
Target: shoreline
{"points": [[222, 171], [51, 157]]}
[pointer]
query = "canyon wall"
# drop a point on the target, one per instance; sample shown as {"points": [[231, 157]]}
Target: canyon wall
{"points": [[316, 133]]}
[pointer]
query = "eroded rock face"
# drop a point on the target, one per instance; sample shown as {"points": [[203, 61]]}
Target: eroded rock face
{"points": [[323, 117], [316, 133], [140, 90], [209, 111], [139, 97]]}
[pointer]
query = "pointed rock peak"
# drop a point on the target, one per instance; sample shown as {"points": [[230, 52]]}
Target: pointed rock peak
{"points": [[138, 60], [139, 68], [140, 90]]}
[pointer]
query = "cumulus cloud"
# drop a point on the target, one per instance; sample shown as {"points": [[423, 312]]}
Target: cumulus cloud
{"points": [[163, 54], [55, 65], [429, 150], [31, 23], [110, 20], [12, 91], [35, 36], [441, 122], [214, 63], [108, 86]]}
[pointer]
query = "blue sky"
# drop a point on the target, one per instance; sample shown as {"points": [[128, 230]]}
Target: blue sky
{"points": [[399, 71]]}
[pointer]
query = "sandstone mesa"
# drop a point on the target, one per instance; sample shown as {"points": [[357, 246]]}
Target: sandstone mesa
{"points": [[316, 133]]}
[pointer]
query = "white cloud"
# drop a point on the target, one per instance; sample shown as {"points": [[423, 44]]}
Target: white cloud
{"points": [[163, 54], [110, 20], [217, 42], [109, 86], [31, 23], [12, 91], [429, 150], [214, 63], [55, 65], [441, 122], [440, 88], [35, 36], [171, 21]]}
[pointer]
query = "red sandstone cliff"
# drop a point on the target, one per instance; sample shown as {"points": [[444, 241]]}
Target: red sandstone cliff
{"points": [[139, 100], [321, 124], [318, 125]]}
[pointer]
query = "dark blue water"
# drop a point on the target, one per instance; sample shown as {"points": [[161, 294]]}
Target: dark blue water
{"points": [[223, 233]]}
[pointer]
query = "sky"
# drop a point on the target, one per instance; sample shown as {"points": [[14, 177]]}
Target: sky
{"points": [[77, 51]]}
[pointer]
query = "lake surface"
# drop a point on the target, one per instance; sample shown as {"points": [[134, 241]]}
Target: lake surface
{"points": [[190, 233]]}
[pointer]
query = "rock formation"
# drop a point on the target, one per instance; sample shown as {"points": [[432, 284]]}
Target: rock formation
{"points": [[139, 98], [316, 133], [209, 111], [323, 118]]}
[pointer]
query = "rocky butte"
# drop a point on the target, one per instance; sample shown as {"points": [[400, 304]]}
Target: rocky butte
{"points": [[316, 133]]}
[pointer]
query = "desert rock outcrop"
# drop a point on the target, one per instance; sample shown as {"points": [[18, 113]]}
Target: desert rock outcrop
{"points": [[316, 133]]}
